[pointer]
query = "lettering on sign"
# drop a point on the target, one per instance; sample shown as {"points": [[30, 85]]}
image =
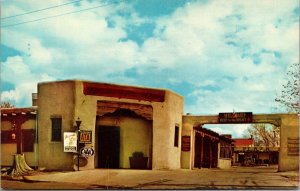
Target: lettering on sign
{"points": [[293, 146], [85, 136], [236, 117], [185, 143]]}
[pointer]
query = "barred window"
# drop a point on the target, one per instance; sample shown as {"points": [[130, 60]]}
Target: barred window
{"points": [[56, 128]]}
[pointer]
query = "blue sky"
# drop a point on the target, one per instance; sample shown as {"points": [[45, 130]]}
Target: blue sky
{"points": [[220, 55]]}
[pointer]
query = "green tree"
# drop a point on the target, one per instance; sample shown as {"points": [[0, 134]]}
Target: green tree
{"points": [[290, 96]]}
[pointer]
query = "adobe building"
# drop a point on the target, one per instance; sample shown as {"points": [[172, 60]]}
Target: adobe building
{"points": [[118, 121], [244, 150], [134, 119]]}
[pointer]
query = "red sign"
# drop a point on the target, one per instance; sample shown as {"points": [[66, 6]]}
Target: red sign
{"points": [[85, 136], [185, 143]]}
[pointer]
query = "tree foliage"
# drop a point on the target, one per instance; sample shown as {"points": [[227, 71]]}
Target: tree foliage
{"points": [[264, 135], [6, 104], [290, 96]]}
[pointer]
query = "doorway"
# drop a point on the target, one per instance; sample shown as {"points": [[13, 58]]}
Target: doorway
{"points": [[198, 151], [108, 147]]}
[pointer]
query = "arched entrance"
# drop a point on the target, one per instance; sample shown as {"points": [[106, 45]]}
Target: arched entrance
{"points": [[289, 133], [120, 131]]}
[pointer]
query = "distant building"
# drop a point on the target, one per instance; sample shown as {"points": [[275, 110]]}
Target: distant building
{"points": [[243, 142], [245, 153]]}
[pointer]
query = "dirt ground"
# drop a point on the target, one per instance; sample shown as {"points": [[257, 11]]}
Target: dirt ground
{"points": [[234, 178]]}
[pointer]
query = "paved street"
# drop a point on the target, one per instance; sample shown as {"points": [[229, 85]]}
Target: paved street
{"points": [[234, 178]]}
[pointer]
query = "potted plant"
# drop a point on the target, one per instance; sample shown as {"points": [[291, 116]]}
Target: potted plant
{"points": [[138, 161]]}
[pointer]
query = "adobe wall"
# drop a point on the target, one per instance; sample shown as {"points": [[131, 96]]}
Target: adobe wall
{"points": [[55, 99], [7, 149], [289, 134]]}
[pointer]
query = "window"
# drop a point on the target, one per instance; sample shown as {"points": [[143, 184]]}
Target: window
{"points": [[28, 140], [56, 128], [176, 137]]}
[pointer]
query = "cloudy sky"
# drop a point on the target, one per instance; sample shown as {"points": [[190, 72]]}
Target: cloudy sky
{"points": [[220, 55]]}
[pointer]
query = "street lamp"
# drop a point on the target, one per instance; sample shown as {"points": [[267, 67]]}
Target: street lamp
{"points": [[78, 123]]}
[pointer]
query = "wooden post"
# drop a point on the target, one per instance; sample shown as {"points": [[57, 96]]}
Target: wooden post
{"points": [[17, 122], [19, 138], [210, 152], [201, 150]]}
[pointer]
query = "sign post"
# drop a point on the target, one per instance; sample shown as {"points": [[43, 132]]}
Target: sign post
{"points": [[78, 123]]}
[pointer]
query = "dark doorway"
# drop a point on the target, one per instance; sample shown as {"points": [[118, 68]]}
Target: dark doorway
{"points": [[198, 150], [108, 147]]}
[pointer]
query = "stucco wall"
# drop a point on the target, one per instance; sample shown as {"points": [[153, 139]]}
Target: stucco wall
{"points": [[165, 116], [55, 99], [135, 135], [8, 149], [224, 163], [7, 154], [289, 129], [186, 156]]}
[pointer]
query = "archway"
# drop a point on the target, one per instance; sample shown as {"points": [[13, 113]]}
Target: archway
{"points": [[289, 133], [121, 129]]}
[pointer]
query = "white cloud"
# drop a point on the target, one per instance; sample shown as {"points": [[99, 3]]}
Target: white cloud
{"points": [[16, 72], [236, 130], [194, 42]]}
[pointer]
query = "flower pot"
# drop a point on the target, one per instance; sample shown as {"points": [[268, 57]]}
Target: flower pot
{"points": [[138, 162]]}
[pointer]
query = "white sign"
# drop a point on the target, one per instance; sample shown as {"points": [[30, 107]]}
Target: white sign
{"points": [[87, 152], [70, 142]]}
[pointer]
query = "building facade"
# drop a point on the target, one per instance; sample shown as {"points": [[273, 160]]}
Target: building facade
{"points": [[118, 122], [245, 153], [136, 119]]}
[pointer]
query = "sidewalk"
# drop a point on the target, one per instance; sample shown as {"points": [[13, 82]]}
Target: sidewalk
{"points": [[181, 179]]}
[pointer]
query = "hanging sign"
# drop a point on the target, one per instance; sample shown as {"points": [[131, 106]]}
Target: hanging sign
{"points": [[185, 143], [85, 136], [236, 117], [70, 142]]}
